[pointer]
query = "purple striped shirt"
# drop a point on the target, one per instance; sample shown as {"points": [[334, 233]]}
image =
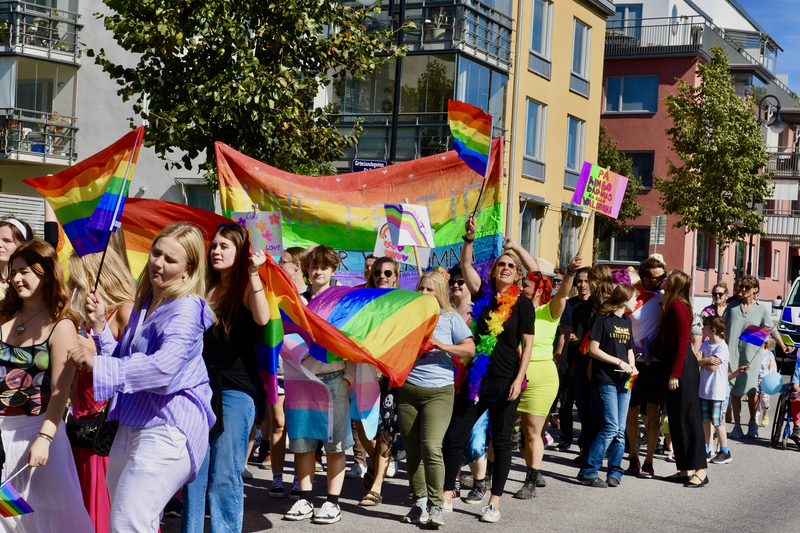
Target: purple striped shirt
{"points": [[156, 372]]}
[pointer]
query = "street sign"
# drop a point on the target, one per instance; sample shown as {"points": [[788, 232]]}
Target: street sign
{"points": [[359, 165], [658, 230]]}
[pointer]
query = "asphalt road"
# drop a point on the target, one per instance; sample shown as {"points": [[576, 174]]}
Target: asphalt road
{"points": [[758, 491]]}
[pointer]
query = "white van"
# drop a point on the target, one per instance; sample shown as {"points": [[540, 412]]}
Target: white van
{"points": [[789, 324]]}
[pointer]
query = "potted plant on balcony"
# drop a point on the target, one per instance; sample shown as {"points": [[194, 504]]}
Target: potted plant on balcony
{"points": [[439, 26]]}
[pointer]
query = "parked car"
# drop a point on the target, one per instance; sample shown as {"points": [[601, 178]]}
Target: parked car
{"points": [[789, 325]]}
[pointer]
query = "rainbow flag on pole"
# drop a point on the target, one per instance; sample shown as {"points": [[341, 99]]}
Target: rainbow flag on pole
{"points": [[99, 182], [11, 503], [472, 134]]}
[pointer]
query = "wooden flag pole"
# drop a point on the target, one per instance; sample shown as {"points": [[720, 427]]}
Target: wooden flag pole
{"points": [[756, 355]]}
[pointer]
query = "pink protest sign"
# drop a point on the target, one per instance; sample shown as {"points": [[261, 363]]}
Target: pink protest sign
{"points": [[600, 190]]}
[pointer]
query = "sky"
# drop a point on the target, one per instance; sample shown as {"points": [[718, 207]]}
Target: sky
{"points": [[781, 18]]}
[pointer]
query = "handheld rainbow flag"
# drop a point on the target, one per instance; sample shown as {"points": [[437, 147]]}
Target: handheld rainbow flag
{"points": [[472, 134], [99, 182], [627, 383], [11, 503], [409, 225], [755, 335]]}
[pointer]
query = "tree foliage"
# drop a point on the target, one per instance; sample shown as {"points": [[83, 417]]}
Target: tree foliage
{"points": [[718, 139], [243, 72], [605, 227]]}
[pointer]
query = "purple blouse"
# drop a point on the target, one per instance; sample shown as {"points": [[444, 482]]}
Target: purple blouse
{"points": [[156, 373]]}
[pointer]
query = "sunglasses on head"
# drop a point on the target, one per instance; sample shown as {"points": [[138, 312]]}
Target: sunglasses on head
{"points": [[386, 273], [459, 282], [502, 264]]}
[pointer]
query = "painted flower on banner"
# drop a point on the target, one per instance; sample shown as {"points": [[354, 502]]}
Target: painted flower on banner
{"points": [[274, 219], [241, 222]]}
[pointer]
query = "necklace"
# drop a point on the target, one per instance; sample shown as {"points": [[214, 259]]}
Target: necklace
{"points": [[21, 328], [496, 324]]}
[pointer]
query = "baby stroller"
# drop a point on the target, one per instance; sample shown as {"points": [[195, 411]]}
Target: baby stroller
{"points": [[781, 426]]}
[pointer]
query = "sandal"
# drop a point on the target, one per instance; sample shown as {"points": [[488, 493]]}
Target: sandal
{"points": [[369, 478], [372, 499], [677, 478]]}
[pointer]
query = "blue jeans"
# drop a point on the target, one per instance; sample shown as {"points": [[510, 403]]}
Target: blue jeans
{"points": [[613, 404], [221, 471]]}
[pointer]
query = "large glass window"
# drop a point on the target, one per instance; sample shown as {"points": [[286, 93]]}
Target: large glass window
{"points": [[570, 233], [428, 82], [703, 245], [576, 133], [541, 27], [484, 88], [375, 94], [643, 166], [632, 94], [581, 44], [535, 128], [627, 20], [633, 247], [530, 224], [46, 88]]}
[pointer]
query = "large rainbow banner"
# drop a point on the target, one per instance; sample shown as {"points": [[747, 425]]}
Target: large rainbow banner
{"points": [[343, 211]]}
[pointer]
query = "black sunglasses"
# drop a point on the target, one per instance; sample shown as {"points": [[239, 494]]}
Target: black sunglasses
{"points": [[718, 294], [459, 282], [662, 277], [386, 273]]}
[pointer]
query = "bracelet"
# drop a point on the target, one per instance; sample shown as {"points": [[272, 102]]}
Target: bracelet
{"points": [[571, 270], [468, 240], [45, 436], [259, 290]]}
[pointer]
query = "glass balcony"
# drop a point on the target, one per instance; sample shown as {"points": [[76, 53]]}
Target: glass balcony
{"points": [[27, 135], [38, 30]]}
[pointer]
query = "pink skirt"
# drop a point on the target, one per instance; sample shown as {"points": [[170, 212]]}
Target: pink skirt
{"points": [[92, 475]]}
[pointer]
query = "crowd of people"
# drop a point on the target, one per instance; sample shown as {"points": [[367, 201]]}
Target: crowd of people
{"points": [[172, 359]]}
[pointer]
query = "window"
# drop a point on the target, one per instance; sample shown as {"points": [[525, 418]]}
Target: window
{"points": [[762, 259], [535, 127], [428, 81], [581, 45], [627, 20], [643, 163], [633, 247], [530, 224], [196, 193], [483, 88], [374, 94], [541, 30], [702, 250], [631, 94], [570, 233], [738, 264], [576, 132], [776, 263]]}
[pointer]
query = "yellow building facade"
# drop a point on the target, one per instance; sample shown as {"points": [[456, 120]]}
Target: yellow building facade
{"points": [[554, 116]]}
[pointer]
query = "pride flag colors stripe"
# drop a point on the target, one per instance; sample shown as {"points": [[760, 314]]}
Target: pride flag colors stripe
{"points": [[755, 335], [76, 194], [342, 211], [11, 503], [627, 383], [472, 134], [407, 220]]}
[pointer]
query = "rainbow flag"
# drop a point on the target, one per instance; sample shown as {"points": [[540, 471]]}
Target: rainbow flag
{"points": [[472, 134], [627, 383], [343, 211], [88, 197], [755, 335], [11, 503]]}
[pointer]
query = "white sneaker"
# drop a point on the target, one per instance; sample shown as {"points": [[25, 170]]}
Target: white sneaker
{"points": [[447, 507], [417, 515], [356, 472], [301, 510], [490, 513], [329, 513], [392, 469]]}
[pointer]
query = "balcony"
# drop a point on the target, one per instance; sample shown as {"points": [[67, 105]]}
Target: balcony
{"points": [[37, 137], [784, 161], [40, 31], [677, 36], [782, 226]]}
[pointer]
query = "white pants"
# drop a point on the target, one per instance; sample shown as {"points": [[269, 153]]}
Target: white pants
{"points": [[146, 467]]}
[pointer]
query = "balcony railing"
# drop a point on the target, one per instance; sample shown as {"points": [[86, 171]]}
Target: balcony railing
{"points": [[39, 30], [37, 136], [657, 36], [784, 161]]}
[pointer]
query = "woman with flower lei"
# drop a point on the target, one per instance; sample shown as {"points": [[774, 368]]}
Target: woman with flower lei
{"points": [[503, 322]]}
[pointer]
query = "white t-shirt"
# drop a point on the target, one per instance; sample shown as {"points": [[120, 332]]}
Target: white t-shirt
{"points": [[714, 385]]}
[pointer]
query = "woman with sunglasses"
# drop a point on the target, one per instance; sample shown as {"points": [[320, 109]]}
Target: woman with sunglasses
{"points": [[504, 323], [235, 293], [542, 373], [719, 301], [37, 329], [385, 275]]}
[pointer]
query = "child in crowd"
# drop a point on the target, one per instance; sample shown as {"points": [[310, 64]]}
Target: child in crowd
{"points": [[714, 376], [768, 366]]}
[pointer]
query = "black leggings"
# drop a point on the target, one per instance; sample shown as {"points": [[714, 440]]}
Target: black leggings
{"points": [[493, 396]]}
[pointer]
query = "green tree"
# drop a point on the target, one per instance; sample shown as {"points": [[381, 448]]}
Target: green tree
{"points": [[244, 73], [605, 227], [718, 139]]}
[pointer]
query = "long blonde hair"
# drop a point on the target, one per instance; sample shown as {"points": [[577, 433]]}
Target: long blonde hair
{"points": [[190, 238], [439, 288], [116, 285]]}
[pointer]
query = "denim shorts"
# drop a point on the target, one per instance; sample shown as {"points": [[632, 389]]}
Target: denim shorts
{"points": [[342, 432], [711, 410]]}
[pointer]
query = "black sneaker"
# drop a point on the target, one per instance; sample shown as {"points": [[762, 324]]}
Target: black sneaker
{"points": [[594, 482], [722, 458], [709, 455], [457, 490], [475, 495], [612, 482], [564, 446], [174, 508]]}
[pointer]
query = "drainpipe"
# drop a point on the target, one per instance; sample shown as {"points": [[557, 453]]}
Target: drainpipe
{"points": [[398, 74], [513, 128]]}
